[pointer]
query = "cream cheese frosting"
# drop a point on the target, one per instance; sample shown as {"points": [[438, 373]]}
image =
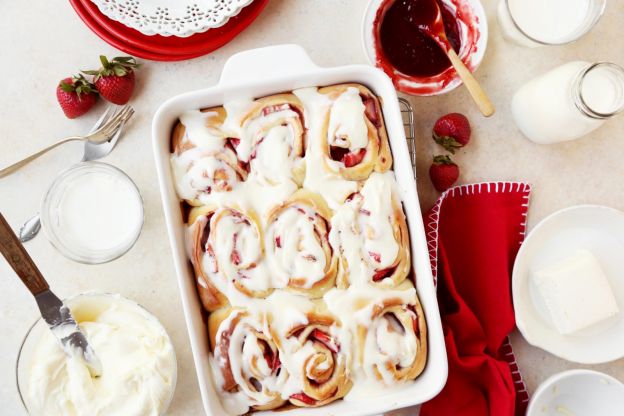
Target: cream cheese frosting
{"points": [[138, 364]]}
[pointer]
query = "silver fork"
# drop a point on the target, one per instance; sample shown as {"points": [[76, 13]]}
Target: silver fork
{"points": [[102, 134], [92, 151]]}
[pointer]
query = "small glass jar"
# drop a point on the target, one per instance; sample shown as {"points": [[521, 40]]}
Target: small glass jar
{"points": [[569, 101], [92, 213], [535, 23]]}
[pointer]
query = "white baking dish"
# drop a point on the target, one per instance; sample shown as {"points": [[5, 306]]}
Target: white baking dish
{"points": [[270, 70]]}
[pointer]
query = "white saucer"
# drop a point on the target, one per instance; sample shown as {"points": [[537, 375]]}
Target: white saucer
{"points": [[597, 229]]}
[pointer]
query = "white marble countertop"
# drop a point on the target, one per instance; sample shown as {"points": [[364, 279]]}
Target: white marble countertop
{"points": [[44, 41]]}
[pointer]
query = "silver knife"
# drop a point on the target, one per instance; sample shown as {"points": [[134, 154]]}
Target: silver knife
{"points": [[54, 312]]}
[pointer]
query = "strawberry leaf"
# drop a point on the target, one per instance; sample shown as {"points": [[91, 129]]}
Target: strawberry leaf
{"points": [[442, 160], [448, 142]]}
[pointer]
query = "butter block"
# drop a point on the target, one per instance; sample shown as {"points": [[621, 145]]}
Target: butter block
{"points": [[576, 292]]}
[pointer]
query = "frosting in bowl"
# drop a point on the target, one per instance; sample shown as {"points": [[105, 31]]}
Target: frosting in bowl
{"points": [[138, 364]]}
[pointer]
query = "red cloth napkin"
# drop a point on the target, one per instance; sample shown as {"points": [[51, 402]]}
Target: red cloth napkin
{"points": [[474, 233]]}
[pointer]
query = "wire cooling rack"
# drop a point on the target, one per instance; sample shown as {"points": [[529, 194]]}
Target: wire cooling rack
{"points": [[408, 125]]}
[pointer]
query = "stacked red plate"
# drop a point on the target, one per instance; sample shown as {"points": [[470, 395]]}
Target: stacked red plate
{"points": [[164, 48]]}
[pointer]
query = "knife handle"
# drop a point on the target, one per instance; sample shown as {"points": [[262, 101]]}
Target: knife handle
{"points": [[19, 259]]}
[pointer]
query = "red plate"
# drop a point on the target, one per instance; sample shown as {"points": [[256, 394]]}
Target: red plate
{"points": [[164, 48]]}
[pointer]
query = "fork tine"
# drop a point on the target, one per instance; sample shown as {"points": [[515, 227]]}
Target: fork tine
{"points": [[111, 128], [102, 120]]}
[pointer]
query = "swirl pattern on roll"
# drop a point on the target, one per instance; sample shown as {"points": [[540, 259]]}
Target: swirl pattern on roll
{"points": [[392, 348], [355, 140], [315, 358], [370, 233], [204, 161], [228, 255], [273, 139], [298, 249], [246, 359]]}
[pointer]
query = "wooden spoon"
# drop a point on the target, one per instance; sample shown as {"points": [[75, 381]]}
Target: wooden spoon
{"points": [[429, 21]]}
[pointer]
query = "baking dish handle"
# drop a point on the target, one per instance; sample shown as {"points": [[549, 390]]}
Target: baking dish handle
{"points": [[266, 63]]}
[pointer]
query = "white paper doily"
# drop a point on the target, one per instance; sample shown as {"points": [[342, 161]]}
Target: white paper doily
{"points": [[171, 17]]}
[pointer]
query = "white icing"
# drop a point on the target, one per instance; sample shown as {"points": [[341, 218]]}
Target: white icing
{"points": [[209, 139], [362, 228], [355, 307], [195, 171], [322, 174], [347, 127], [299, 253], [247, 361], [138, 364]]}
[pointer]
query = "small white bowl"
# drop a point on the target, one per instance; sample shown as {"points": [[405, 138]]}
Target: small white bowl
{"points": [[578, 393], [471, 53]]}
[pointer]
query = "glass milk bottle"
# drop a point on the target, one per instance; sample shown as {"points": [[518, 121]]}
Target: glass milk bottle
{"points": [[569, 101]]}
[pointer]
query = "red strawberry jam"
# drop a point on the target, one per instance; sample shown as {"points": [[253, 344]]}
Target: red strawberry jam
{"points": [[408, 48]]}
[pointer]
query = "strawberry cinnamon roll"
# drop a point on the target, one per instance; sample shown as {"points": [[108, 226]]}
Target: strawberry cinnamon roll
{"points": [[354, 135], [247, 363], [392, 346], [384, 329], [370, 234], [273, 144], [297, 242], [317, 364], [203, 158], [227, 252]]}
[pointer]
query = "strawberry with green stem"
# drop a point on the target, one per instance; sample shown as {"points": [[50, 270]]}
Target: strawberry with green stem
{"points": [[76, 96], [443, 172], [452, 131], [115, 80]]}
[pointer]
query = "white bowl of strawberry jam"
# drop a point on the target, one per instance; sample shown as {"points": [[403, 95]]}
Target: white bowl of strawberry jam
{"points": [[414, 62]]}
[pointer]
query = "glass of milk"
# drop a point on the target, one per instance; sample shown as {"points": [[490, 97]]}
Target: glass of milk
{"points": [[536, 23], [569, 101], [92, 213]]}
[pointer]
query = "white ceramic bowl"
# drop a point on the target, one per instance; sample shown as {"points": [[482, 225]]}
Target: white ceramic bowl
{"points": [[591, 227], [471, 52], [578, 393]]}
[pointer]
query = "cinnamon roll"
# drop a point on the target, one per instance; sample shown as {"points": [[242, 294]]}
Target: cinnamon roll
{"points": [[315, 360], [273, 144], [227, 252], [385, 330], [393, 346], [247, 362], [297, 242], [203, 158], [354, 136], [370, 233]]}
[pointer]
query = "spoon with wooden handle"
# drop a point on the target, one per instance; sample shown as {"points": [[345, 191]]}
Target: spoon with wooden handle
{"points": [[53, 310], [429, 21]]}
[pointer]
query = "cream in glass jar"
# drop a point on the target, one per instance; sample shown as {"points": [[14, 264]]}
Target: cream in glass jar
{"points": [[569, 101]]}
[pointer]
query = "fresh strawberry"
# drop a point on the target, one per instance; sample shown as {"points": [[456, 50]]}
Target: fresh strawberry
{"points": [[76, 96], [443, 173], [115, 80], [452, 131]]}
